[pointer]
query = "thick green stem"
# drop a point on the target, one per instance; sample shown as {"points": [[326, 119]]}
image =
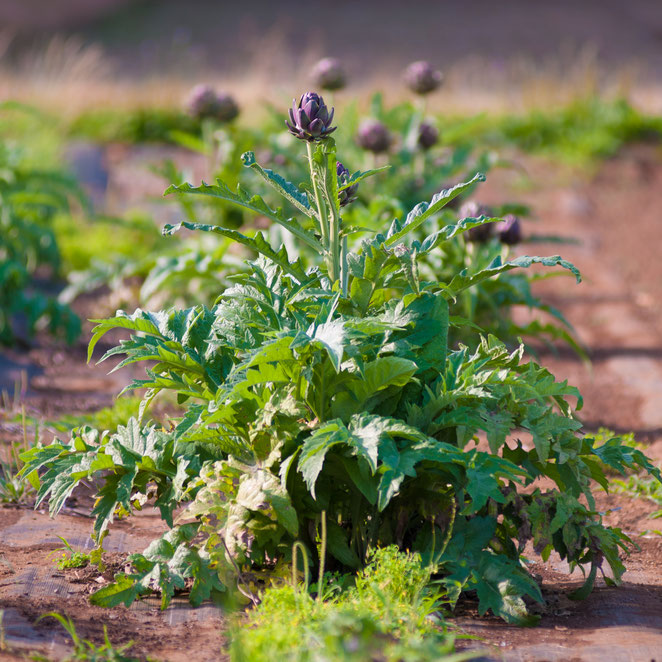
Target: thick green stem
{"points": [[320, 408], [422, 104], [319, 202], [344, 270], [334, 247], [320, 581], [298, 546], [418, 163], [207, 130], [328, 214]]}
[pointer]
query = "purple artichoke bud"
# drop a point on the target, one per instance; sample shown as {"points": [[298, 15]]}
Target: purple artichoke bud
{"points": [[227, 108], [201, 101], [428, 135], [421, 78], [205, 103], [349, 194], [310, 119], [509, 230], [472, 209], [329, 74], [373, 136]]}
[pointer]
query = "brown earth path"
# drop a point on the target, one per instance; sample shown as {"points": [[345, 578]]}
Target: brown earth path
{"points": [[615, 312]]}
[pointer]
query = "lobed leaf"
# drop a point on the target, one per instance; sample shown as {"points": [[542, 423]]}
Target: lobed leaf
{"points": [[253, 203], [360, 175], [288, 190], [424, 210], [463, 280]]}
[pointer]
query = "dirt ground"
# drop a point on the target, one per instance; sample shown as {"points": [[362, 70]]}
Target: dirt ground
{"points": [[31, 585], [614, 212]]}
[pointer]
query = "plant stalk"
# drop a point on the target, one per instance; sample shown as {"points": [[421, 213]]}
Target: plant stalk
{"points": [[298, 546], [334, 248], [344, 271], [319, 202], [320, 581]]}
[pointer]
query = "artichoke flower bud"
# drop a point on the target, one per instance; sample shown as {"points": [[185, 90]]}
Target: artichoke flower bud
{"points": [[509, 230], [205, 103], [328, 74], [428, 135], [227, 108], [373, 136], [349, 194], [310, 119], [473, 210], [421, 78]]}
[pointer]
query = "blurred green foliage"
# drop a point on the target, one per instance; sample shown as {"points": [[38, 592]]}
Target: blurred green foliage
{"points": [[577, 134], [132, 126], [34, 188]]}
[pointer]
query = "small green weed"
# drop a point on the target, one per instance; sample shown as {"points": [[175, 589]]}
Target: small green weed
{"points": [[388, 615], [641, 488], [108, 418], [16, 487], [87, 651], [70, 558]]}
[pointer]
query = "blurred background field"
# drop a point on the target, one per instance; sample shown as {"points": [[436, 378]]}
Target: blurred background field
{"points": [[74, 55]]}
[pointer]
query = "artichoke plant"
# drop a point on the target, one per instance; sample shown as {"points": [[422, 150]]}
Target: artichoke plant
{"points": [[349, 194], [329, 74], [373, 136], [421, 78], [310, 119], [509, 230]]}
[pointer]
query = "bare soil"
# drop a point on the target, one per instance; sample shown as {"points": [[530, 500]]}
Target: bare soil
{"points": [[31, 585], [615, 214]]}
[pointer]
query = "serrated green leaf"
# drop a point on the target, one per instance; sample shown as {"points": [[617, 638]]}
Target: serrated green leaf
{"points": [[504, 599], [585, 589], [463, 280], [423, 210], [253, 203], [382, 373], [124, 590], [360, 175], [257, 243], [288, 190], [315, 448], [450, 231]]}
